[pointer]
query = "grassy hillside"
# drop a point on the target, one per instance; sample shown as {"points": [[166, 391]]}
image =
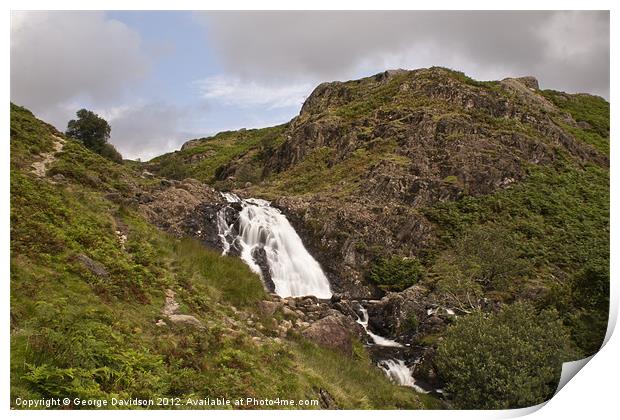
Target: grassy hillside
{"points": [[88, 282], [207, 155]]}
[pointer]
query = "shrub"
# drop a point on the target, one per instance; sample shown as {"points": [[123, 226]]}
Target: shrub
{"points": [[482, 259], [396, 273], [506, 360]]}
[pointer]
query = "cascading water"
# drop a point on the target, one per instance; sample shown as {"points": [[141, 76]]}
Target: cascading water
{"points": [[378, 340], [400, 373], [395, 369], [293, 270]]}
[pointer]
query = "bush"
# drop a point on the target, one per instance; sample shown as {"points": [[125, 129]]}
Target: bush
{"points": [[396, 273], [506, 360], [482, 259], [109, 151]]}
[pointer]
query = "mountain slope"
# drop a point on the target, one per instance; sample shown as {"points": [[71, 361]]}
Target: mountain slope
{"points": [[104, 305], [367, 166]]}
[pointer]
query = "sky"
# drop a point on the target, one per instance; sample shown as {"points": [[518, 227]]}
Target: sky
{"points": [[162, 78]]}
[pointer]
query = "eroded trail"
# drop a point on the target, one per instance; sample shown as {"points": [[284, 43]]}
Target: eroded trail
{"points": [[40, 167]]}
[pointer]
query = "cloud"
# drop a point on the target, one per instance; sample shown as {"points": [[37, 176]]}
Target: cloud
{"points": [[146, 130], [565, 50], [59, 56], [235, 91]]}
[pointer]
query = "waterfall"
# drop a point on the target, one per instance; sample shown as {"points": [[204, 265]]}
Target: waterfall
{"points": [[400, 373], [293, 270], [377, 339], [395, 369]]}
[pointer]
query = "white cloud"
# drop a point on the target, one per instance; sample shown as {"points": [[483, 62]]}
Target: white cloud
{"points": [[145, 130], [57, 56], [566, 51], [231, 90]]}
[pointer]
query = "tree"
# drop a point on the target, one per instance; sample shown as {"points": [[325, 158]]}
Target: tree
{"points": [[94, 132], [510, 359], [482, 260]]}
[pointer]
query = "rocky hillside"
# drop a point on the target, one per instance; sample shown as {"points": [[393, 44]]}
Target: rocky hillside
{"points": [[105, 305], [369, 168]]}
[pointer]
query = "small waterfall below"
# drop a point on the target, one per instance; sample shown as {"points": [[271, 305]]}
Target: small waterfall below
{"points": [[394, 368], [263, 229]]}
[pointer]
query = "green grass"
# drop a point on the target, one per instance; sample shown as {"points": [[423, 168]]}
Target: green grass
{"points": [[203, 161], [589, 109]]}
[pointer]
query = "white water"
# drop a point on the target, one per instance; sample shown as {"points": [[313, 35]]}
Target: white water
{"points": [[399, 373], [293, 270], [395, 369], [377, 339]]}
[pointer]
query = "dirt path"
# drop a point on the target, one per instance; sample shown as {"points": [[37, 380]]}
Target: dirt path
{"points": [[170, 311], [39, 168]]}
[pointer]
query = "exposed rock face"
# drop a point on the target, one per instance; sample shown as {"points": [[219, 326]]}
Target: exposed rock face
{"points": [[260, 257], [429, 136], [407, 313], [185, 208], [334, 331]]}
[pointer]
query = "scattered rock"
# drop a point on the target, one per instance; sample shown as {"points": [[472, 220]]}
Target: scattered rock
{"points": [[93, 266], [267, 308], [45, 160], [170, 309], [289, 312]]}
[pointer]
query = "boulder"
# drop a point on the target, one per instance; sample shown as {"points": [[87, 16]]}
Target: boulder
{"points": [[335, 331], [96, 268], [267, 308], [186, 319]]}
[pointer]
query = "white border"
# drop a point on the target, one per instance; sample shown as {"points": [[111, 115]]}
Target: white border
{"points": [[592, 394]]}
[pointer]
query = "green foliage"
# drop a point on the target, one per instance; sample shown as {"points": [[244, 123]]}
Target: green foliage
{"points": [[557, 219], [90, 129], [94, 132], [395, 273], [590, 112], [108, 151], [512, 359], [483, 258], [585, 302], [590, 109], [206, 160]]}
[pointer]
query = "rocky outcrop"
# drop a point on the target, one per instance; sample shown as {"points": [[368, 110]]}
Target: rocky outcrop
{"points": [[334, 331], [407, 314], [188, 207], [95, 268], [429, 136]]}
